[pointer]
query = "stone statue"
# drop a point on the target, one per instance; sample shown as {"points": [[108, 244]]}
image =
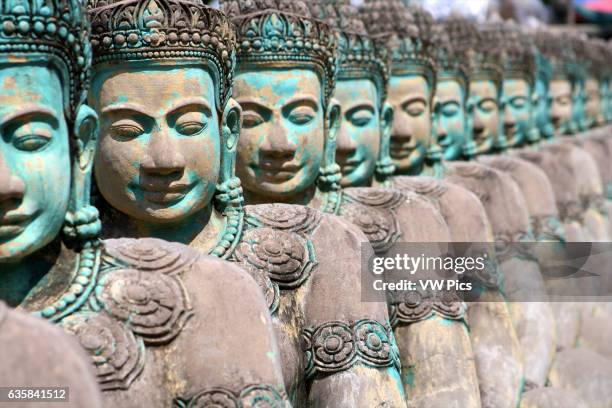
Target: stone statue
{"points": [[48, 358], [138, 307], [165, 168], [412, 79]]}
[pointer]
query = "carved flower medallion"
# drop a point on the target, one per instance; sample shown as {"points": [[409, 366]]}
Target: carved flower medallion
{"points": [[373, 342], [155, 306], [117, 355], [295, 218], [333, 346], [285, 256], [379, 226]]}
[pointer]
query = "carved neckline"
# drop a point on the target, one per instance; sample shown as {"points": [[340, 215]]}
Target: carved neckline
{"points": [[87, 267]]}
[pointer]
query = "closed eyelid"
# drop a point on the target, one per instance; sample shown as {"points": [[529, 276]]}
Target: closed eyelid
{"points": [[29, 114], [301, 102]]}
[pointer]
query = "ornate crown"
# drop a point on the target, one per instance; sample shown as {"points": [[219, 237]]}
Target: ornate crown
{"points": [[451, 40], [164, 29], [518, 53], [283, 32], [407, 31], [359, 56], [554, 48], [57, 28], [485, 59]]}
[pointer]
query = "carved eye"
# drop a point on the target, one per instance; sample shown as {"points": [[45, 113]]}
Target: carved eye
{"points": [[31, 143], [415, 108], [251, 119], [564, 100], [450, 109], [362, 118], [126, 129], [191, 128], [302, 115], [518, 102], [191, 123], [487, 105]]}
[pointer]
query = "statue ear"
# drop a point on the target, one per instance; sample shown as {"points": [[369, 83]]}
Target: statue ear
{"points": [[384, 166], [85, 132], [231, 125], [333, 119], [329, 173]]}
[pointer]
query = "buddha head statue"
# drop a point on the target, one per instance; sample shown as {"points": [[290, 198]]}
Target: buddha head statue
{"points": [[162, 76], [580, 63], [516, 108], [485, 76], [286, 70], [450, 101], [543, 77], [48, 133], [596, 82], [362, 145], [408, 33], [554, 49]]}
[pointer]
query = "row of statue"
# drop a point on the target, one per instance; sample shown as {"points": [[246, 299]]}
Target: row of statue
{"points": [[188, 192]]}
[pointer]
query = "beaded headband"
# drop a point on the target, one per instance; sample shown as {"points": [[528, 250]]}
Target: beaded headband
{"points": [[359, 56], [283, 33], [133, 30], [407, 31], [56, 29]]}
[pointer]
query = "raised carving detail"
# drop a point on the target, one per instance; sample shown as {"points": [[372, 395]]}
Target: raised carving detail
{"points": [[380, 226], [252, 396], [375, 197], [420, 305], [153, 305], [117, 354], [427, 186], [284, 217], [337, 346]]}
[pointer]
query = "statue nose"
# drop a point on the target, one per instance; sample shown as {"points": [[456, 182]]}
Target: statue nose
{"points": [[11, 186], [401, 130], [278, 144], [345, 145], [163, 158]]}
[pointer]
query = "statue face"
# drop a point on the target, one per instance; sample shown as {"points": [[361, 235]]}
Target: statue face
{"points": [[517, 106], [159, 154], [485, 121], [282, 141], [450, 109], [561, 105], [409, 96], [358, 143], [542, 107], [592, 105], [34, 158]]}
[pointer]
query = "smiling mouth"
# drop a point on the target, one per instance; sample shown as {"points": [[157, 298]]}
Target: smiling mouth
{"points": [[165, 194], [13, 225], [277, 172]]}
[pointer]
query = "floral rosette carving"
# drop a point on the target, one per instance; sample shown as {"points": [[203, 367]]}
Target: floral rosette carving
{"points": [[375, 197], [373, 343], [449, 305], [285, 256], [332, 347], [294, 218], [262, 396], [415, 307], [427, 186], [153, 305], [149, 254], [379, 226], [252, 396], [118, 356], [337, 346]]}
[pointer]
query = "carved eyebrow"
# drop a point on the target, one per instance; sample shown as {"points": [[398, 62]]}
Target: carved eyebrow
{"points": [[196, 102], [414, 99], [29, 111], [302, 100], [361, 106], [254, 104], [127, 107]]}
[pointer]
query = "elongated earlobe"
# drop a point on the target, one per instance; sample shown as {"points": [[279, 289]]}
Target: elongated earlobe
{"points": [[385, 168], [329, 173]]}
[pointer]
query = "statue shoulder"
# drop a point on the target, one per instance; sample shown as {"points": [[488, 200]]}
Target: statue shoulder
{"points": [[423, 185], [35, 353]]}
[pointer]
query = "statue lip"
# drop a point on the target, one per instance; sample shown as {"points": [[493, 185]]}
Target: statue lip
{"points": [[164, 193], [279, 170], [402, 147], [14, 224]]}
